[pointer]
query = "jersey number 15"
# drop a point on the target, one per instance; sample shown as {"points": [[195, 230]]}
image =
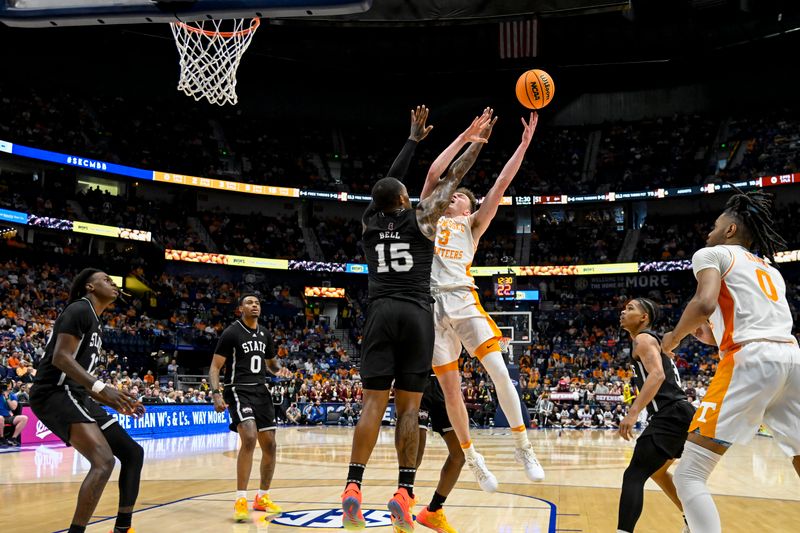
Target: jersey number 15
{"points": [[400, 259]]}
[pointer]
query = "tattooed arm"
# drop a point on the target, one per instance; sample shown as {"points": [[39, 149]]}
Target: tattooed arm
{"points": [[431, 208]]}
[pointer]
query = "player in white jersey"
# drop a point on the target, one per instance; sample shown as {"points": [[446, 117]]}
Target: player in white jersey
{"points": [[740, 305], [459, 317]]}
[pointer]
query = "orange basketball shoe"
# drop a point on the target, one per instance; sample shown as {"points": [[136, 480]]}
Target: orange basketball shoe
{"points": [[400, 506], [240, 512], [263, 503], [435, 521], [352, 518]]}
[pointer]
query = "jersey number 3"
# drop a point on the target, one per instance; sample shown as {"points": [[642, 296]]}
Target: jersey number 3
{"points": [[400, 259], [767, 287]]}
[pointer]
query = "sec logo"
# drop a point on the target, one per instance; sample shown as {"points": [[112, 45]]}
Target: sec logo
{"points": [[329, 518]]}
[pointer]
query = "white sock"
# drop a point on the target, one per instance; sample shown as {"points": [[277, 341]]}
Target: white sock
{"points": [[261, 493], [621, 531], [691, 478], [241, 494], [470, 451], [521, 439], [506, 393]]}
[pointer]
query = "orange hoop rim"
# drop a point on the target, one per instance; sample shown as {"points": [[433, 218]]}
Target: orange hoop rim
{"points": [[254, 24]]}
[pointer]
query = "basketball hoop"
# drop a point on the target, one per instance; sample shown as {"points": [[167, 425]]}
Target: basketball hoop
{"points": [[209, 57], [504, 342]]}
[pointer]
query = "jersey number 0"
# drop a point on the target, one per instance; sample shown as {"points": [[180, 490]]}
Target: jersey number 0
{"points": [[767, 287]]}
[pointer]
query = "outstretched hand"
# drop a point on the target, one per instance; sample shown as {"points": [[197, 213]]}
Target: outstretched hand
{"points": [[529, 127], [418, 128], [475, 132], [486, 132]]}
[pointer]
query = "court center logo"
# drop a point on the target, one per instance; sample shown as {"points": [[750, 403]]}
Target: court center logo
{"points": [[330, 518]]}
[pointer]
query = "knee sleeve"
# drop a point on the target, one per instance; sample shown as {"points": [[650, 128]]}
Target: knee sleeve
{"points": [[129, 453], [691, 479], [693, 471], [506, 392]]}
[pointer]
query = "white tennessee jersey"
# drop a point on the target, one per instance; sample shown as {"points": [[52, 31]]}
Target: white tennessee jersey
{"points": [[453, 251], [752, 301]]}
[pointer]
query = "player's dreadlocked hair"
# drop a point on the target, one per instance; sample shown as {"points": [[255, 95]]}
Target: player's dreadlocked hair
{"points": [[753, 210], [78, 288]]}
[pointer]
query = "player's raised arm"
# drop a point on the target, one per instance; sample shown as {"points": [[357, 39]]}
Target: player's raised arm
{"points": [[484, 215], [419, 130], [431, 208], [471, 135]]}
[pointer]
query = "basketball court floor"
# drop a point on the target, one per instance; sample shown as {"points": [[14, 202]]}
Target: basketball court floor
{"points": [[188, 484]]}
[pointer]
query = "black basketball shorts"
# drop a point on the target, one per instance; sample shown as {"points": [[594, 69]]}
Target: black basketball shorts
{"points": [[669, 428], [397, 345], [58, 407], [432, 409], [250, 402]]}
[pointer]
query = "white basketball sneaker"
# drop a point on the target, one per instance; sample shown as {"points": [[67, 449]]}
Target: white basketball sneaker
{"points": [[485, 479], [527, 458]]}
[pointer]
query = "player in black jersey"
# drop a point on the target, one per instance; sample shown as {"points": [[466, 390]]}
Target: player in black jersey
{"points": [[670, 414], [433, 412], [65, 397], [246, 351], [398, 334]]}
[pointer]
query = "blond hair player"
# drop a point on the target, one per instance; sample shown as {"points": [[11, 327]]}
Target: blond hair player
{"points": [[459, 317], [740, 305]]}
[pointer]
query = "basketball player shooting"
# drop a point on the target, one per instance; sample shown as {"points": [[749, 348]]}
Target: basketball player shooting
{"points": [[398, 334], [246, 351], [459, 317], [740, 305]]}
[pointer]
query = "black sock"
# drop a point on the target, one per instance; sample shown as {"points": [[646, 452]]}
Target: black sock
{"points": [[77, 529], [123, 521], [355, 474], [436, 502], [405, 479]]}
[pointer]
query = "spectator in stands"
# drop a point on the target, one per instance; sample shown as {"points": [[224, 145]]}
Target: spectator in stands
{"points": [[314, 413], [13, 423], [349, 415]]}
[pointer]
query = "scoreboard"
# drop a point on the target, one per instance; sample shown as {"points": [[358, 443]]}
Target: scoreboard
{"points": [[505, 286]]}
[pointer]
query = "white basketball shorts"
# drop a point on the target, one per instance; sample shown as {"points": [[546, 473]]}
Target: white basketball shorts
{"points": [[758, 382], [459, 318]]}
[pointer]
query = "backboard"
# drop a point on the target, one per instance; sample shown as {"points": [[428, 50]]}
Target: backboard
{"points": [[58, 13]]}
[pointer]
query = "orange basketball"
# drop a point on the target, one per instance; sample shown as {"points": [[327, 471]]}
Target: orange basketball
{"points": [[535, 89]]}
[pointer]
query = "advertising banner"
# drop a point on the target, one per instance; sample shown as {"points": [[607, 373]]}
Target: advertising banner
{"points": [[160, 421], [324, 292], [226, 185]]}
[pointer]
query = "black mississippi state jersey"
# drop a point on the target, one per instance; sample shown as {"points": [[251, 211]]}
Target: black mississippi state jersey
{"points": [[78, 320], [399, 257], [671, 390], [245, 351]]}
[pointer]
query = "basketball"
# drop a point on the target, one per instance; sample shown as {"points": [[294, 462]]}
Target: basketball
{"points": [[535, 89]]}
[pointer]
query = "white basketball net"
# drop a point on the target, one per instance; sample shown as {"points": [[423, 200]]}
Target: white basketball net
{"points": [[209, 57]]}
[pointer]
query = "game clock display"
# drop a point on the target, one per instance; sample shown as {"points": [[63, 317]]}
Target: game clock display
{"points": [[505, 286]]}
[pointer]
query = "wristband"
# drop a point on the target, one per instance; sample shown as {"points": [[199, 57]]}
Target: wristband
{"points": [[98, 386]]}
